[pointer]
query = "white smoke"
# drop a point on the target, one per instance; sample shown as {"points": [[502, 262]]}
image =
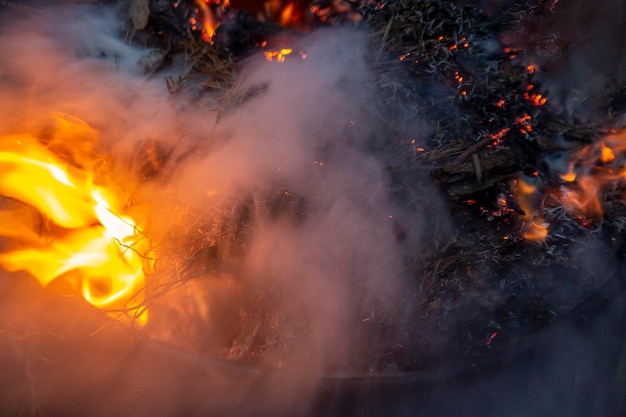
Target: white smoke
{"points": [[331, 261]]}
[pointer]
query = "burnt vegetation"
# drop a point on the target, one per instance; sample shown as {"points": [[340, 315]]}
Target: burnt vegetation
{"points": [[462, 104]]}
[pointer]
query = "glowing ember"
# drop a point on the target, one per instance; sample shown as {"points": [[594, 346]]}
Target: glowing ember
{"points": [[525, 123], [279, 55], [82, 235]]}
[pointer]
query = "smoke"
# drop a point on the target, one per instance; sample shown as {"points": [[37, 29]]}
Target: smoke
{"points": [[579, 48], [295, 219], [282, 186], [320, 244]]}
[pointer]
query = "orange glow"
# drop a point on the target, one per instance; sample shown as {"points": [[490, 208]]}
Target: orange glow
{"points": [[534, 228], [85, 238], [289, 16], [531, 69], [525, 188]]}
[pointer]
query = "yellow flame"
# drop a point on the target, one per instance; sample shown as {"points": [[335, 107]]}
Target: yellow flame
{"points": [[106, 251], [208, 21]]}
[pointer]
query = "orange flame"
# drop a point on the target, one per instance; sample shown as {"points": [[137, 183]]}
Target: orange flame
{"points": [[534, 228], [86, 239], [536, 231], [210, 21], [570, 175]]}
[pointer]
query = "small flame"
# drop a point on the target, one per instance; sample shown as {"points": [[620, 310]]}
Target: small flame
{"points": [[607, 154], [85, 238], [570, 175], [209, 23], [535, 228], [497, 137], [599, 165]]}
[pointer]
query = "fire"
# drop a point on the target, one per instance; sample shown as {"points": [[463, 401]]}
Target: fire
{"points": [[591, 171], [570, 175], [600, 167], [211, 12], [80, 233], [583, 199], [208, 21]]}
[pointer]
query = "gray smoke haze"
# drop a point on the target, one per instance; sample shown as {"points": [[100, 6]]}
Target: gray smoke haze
{"points": [[324, 258]]}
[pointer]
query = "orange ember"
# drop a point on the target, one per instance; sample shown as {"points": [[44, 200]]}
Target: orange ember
{"points": [[80, 232]]}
